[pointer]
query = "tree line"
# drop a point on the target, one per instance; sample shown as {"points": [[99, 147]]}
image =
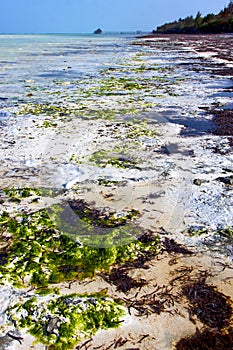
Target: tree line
{"points": [[220, 23]]}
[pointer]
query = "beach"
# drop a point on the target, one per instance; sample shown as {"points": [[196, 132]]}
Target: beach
{"points": [[119, 140]]}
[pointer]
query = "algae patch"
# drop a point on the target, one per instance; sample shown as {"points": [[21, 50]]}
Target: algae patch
{"points": [[34, 252], [226, 232], [206, 339], [43, 109], [103, 158], [16, 194], [22, 192], [61, 322], [99, 218], [140, 128], [219, 240]]}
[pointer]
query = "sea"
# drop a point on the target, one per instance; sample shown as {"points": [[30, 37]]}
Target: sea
{"points": [[32, 63], [47, 57]]}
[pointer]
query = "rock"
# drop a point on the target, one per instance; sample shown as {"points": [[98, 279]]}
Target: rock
{"points": [[227, 180], [52, 324], [98, 31], [198, 182]]}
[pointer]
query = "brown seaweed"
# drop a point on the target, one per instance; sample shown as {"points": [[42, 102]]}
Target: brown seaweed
{"points": [[211, 307], [172, 246], [223, 120], [155, 302], [207, 340], [120, 278], [100, 218]]}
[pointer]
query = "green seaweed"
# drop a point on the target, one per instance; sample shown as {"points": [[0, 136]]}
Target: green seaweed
{"points": [[22, 192], [103, 158], [227, 232], [108, 183], [128, 83], [46, 291], [99, 218], [17, 193], [117, 86], [35, 252], [139, 128], [132, 68], [76, 159], [40, 109], [198, 231], [48, 124], [102, 113], [113, 84], [64, 321]]}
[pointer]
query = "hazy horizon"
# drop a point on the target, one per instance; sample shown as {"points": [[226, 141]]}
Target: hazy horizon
{"points": [[84, 16]]}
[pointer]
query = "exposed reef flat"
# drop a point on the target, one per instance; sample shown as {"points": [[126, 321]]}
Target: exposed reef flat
{"points": [[218, 46], [116, 200]]}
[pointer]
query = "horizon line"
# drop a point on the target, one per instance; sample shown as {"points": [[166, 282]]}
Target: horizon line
{"points": [[78, 33]]}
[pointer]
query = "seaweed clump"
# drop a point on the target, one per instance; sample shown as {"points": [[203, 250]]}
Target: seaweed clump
{"points": [[211, 307], [34, 252], [103, 159], [219, 240], [155, 302], [223, 120], [17, 193], [172, 246], [121, 279], [221, 233], [100, 218], [119, 276], [44, 109], [207, 340], [62, 322], [214, 310]]}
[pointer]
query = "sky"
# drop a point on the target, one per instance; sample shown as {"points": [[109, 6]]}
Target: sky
{"points": [[84, 16]]}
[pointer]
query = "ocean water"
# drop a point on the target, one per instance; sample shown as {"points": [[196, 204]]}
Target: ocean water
{"points": [[45, 58], [33, 66]]}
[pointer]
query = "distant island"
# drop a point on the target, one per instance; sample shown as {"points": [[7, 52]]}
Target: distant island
{"points": [[209, 24], [98, 31]]}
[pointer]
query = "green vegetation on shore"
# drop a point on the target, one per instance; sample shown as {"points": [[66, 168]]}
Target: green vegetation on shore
{"points": [[63, 321], [220, 23], [34, 252], [226, 232], [128, 89]]}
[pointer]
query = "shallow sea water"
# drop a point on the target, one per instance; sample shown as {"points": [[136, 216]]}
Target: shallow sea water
{"points": [[47, 58], [44, 58]]}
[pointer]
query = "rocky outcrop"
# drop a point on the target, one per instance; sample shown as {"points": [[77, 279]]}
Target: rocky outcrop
{"points": [[98, 31]]}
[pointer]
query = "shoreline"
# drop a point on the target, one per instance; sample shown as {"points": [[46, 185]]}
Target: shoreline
{"points": [[176, 182], [200, 43]]}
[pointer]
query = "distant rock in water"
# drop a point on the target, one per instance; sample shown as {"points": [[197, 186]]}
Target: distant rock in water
{"points": [[98, 31]]}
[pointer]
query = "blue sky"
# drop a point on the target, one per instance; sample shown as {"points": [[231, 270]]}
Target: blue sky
{"points": [[84, 16]]}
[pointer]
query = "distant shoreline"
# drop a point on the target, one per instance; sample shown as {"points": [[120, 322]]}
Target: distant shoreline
{"points": [[209, 24], [191, 35]]}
